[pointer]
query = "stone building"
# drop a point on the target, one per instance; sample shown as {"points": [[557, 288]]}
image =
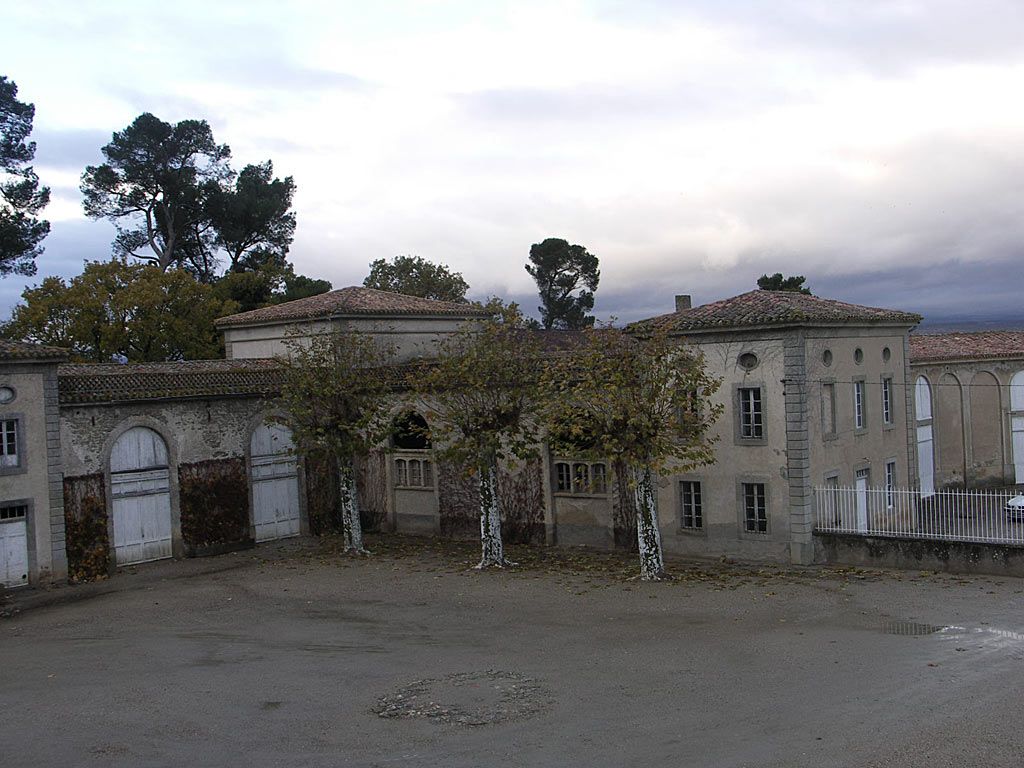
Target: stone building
{"points": [[182, 459], [31, 502], [969, 390]]}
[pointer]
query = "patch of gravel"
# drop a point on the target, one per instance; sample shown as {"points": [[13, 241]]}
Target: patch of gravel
{"points": [[467, 698]]}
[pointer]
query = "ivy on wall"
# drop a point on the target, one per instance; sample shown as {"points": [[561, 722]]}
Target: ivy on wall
{"points": [[85, 528], [623, 511], [521, 501], [214, 498], [322, 503]]}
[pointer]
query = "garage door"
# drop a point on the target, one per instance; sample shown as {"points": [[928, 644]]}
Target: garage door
{"points": [[13, 545], [140, 490], [275, 483]]}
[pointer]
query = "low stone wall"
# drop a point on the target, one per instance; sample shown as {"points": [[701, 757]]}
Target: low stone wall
{"points": [[918, 554]]}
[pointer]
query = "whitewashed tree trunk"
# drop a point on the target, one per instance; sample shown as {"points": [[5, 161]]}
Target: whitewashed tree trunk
{"points": [[492, 550], [349, 495], [648, 532]]}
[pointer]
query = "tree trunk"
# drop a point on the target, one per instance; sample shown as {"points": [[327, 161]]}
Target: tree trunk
{"points": [[492, 551], [349, 496], [648, 532]]}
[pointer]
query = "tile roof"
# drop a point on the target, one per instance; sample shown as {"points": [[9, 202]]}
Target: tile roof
{"points": [[353, 300], [21, 350], [977, 345], [85, 383], [774, 308]]}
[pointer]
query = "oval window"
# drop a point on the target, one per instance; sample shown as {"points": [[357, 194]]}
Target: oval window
{"points": [[747, 361], [826, 357], [886, 354], [858, 355], [6, 395]]}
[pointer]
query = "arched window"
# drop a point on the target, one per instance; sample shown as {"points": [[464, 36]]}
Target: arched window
{"points": [[923, 399], [410, 432], [1017, 392]]}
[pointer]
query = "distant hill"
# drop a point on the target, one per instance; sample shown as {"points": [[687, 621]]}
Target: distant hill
{"points": [[941, 324]]}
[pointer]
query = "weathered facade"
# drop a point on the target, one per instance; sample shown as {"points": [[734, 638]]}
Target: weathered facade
{"points": [[970, 402], [184, 459], [32, 545]]}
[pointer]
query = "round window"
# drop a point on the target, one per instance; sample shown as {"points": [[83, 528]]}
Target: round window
{"points": [[886, 354], [6, 395], [826, 357], [858, 355], [747, 361]]}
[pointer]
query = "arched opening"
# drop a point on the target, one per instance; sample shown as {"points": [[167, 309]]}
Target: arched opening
{"points": [[925, 437], [275, 483], [1017, 424], [987, 452], [140, 491], [410, 432], [950, 439]]}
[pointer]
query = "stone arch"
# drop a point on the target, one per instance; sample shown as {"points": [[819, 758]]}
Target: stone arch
{"points": [[922, 398], [950, 448], [986, 428], [140, 469]]}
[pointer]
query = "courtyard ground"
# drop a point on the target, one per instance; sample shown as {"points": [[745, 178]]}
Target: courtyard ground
{"points": [[292, 655]]}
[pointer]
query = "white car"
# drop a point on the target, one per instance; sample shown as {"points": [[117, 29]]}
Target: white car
{"points": [[1015, 508]]}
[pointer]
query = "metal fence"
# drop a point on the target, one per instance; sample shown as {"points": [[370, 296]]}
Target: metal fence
{"points": [[950, 515]]}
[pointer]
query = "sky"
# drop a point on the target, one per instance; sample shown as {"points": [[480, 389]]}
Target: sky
{"points": [[875, 147]]}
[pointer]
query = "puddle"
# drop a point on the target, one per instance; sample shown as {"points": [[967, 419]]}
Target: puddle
{"points": [[911, 628]]}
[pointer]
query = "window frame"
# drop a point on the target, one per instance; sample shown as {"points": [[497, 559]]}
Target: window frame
{"points": [[828, 406], [572, 485], [696, 501], [402, 471], [888, 403], [890, 484], [20, 447], [741, 495], [739, 402], [860, 405]]}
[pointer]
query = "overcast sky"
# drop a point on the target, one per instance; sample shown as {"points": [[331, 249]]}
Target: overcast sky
{"points": [[875, 147]]}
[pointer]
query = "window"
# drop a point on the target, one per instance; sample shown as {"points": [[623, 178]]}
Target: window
{"points": [[410, 432], [890, 484], [828, 409], [751, 413], [887, 401], [9, 443], [581, 478], [9, 512], [690, 508], [755, 510], [858, 404], [413, 473]]}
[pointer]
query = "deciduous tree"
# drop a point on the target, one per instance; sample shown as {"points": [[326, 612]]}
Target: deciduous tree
{"points": [[480, 397], [117, 310], [21, 197], [567, 276], [415, 276], [334, 391], [640, 402]]}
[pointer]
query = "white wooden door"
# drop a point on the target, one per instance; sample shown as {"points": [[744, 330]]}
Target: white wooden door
{"points": [[13, 548], [861, 481], [926, 460], [1017, 431], [140, 489], [275, 483]]}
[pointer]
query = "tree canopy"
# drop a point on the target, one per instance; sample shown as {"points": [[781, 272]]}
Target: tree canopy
{"points": [[777, 282], [641, 402], [415, 276], [480, 396], [120, 310], [566, 276], [334, 392], [21, 197], [171, 193]]}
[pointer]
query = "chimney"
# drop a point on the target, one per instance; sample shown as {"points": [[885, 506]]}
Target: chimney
{"points": [[682, 301]]}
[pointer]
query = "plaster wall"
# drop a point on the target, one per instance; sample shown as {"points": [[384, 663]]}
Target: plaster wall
{"points": [[37, 480], [971, 420], [410, 338]]}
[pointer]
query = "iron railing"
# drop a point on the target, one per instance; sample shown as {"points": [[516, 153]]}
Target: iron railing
{"points": [[948, 515]]}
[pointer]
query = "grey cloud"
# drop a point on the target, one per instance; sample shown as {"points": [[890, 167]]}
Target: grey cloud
{"points": [[879, 35], [70, 149]]}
